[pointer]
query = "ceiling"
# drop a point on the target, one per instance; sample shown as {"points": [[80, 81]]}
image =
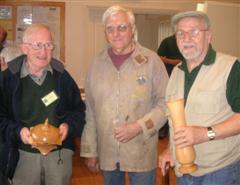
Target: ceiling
{"points": [[229, 1]]}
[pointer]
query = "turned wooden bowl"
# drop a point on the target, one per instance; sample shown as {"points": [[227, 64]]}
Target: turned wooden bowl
{"points": [[45, 137]]}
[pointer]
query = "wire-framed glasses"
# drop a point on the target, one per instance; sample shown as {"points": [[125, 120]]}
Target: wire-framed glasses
{"points": [[192, 33], [120, 28], [39, 45]]}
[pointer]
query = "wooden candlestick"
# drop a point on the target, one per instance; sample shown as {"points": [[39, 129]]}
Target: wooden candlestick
{"points": [[185, 156]]}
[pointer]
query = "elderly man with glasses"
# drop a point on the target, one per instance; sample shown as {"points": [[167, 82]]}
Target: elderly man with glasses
{"points": [[208, 81], [36, 87], [125, 92]]}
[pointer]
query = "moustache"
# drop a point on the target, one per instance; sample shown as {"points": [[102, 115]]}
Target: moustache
{"points": [[188, 45]]}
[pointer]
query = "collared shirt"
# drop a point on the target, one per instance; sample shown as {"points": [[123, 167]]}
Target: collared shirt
{"points": [[233, 85], [38, 80]]}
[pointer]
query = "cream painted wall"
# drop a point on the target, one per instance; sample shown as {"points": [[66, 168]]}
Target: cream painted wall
{"points": [[225, 26], [149, 35], [239, 33], [76, 42]]}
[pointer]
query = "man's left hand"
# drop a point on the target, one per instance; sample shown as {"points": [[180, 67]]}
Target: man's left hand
{"points": [[63, 130], [190, 135]]}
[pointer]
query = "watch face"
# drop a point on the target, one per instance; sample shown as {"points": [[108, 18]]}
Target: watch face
{"points": [[211, 134]]}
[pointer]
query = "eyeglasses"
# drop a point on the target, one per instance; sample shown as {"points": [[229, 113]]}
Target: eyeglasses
{"points": [[192, 33], [120, 28], [39, 45]]}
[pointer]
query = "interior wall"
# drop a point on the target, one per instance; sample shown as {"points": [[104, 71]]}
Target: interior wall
{"points": [[225, 27], [148, 36], [84, 39], [239, 32], [76, 42]]}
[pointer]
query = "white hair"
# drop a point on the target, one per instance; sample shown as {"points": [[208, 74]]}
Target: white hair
{"points": [[113, 10], [32, 29]]}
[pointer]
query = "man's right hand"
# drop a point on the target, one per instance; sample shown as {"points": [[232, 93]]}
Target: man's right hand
{"points": [[92, 164], [165, 161], [25, 135]]}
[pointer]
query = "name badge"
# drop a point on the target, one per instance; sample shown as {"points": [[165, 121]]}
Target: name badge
{"points": [[49, 98]]}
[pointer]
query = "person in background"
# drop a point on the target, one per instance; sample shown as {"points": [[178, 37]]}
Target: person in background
{"points": [[7, 54], [169, 53], [35, 86], [171, 56], [125, 92], [208, 81], [3, 37]]}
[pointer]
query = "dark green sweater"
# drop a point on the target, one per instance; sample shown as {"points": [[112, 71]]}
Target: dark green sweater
{"points": [[33, 110]]}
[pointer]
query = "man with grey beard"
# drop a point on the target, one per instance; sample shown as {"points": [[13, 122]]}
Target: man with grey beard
{"points": [[208, 81]]}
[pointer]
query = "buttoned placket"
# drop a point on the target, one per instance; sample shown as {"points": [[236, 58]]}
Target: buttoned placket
{"points": [[117, 120]]}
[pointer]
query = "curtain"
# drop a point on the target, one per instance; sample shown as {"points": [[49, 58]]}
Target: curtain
{"points": [[164, 30]]}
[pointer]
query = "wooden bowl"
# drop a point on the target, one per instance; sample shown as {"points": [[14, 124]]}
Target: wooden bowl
{"points": [[45, 137]]}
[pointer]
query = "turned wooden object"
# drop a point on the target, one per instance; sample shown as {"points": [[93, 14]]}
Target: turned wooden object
{"points": [[185, 156], [45, 137]]}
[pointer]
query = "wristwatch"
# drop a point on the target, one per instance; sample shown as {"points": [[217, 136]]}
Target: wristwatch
{"points": [[211, 134]]}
